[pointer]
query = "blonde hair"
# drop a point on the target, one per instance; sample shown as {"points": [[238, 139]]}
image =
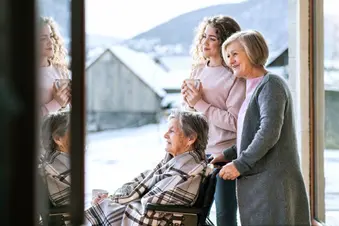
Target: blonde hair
{"points": [[58, 59], [225, 26], [254, 45]]}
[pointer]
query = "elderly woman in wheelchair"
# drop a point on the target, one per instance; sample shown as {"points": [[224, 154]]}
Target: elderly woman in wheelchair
{"points": [[55, 160], [54, 169], [174, 181]]}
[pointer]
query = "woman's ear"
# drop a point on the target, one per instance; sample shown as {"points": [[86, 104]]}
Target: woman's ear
{"points": [[192, 139], [58, 141]]}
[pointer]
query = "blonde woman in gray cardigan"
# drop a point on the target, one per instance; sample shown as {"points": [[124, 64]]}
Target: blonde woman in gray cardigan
{"points": [[265, 161]]}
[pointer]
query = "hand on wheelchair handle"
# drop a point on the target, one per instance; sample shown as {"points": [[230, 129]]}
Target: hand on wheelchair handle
{"points": [[218, 160]]}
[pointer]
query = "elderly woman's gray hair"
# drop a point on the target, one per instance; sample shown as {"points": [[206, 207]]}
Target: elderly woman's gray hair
{"points": [[54, 124], [193, 123], [254, 45]]}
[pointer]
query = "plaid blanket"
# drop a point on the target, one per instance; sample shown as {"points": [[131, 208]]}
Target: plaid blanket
{"points": [[55, 169], [175, 180]]}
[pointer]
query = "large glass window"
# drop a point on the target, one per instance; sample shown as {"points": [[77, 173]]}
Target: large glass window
{"points": [[136, 61], [61, 105], [54, 94]]}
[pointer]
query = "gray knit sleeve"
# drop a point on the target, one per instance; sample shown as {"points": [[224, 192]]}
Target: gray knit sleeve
{"points": [[271, 100], [230, 153]]}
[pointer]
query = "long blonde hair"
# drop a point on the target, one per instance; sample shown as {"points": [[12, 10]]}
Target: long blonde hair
{"points": [[225, 26], [58, 59]]}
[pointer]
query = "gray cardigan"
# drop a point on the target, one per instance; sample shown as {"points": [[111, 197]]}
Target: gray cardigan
{"points": [[270, 189]]}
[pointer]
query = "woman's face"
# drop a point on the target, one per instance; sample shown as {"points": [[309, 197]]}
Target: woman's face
{"points": [[46, 43], [210, 43], [176, 142], [63, 142], [238, 60]]}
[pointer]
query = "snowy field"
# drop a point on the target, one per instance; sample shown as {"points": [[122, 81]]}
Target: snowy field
{"points": [[115, 157]]}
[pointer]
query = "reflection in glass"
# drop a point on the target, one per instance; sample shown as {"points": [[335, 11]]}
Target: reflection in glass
{"points": [[54, 82]]}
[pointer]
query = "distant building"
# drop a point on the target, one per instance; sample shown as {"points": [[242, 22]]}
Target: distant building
{"points": [[121, 88]]}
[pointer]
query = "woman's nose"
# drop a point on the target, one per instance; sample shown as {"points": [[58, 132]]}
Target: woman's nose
{"points": [[205, 41], [49, 42], [166, 135], [231, 60]]}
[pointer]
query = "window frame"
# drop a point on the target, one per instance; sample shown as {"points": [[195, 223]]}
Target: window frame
{"points": [[316, 110], [78, 115]]}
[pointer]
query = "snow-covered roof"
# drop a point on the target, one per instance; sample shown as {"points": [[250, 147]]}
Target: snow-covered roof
{"points": [[173, 99], [331, 77], [278, 70], [93, 54], [274, 54], [174, 63], [139, 63], [142, 65], [173, 79]]}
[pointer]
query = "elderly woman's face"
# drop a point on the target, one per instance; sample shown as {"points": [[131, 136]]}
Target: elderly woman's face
{"points": [[237, 60], [176, 142]]}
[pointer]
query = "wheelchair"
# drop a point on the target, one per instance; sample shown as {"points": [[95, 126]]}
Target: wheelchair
{"points": [[196, 215]]}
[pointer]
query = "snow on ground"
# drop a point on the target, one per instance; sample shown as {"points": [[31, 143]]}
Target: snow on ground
{"points": [[115, 157]]}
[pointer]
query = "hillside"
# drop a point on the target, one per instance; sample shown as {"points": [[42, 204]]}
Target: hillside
{"points": [[267, 16]]}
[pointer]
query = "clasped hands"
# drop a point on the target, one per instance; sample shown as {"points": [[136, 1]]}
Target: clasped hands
{"points": [[191, 94], [62, 95]]}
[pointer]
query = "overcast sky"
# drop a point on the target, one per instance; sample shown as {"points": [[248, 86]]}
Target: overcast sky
{"points": [[127, 18]]}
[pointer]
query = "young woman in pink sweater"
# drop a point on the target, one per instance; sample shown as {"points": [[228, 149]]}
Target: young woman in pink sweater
{"points": [[219, 96], [53, 66]]}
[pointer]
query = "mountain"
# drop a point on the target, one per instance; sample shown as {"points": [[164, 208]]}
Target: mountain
{"points": [[270, 17], [267, 16], [93, 41], [175, 36]]}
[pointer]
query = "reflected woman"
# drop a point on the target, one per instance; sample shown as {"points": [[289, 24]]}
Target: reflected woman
{"points": [[53, 66]]}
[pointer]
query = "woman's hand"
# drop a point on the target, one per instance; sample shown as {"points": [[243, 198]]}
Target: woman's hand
{"points": [[62, 95], [191, 94], [229, 172], [183, 93]]}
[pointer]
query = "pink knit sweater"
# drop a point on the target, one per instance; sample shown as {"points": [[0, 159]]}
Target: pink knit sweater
{"points": [[47, 77], [223, 95], [251, 85]]}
